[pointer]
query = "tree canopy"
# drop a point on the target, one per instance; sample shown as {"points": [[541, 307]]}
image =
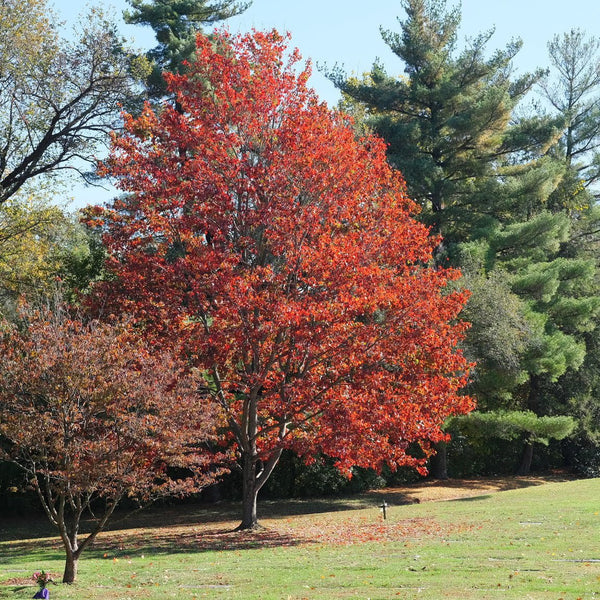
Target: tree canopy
{"points": [[87, 412], [58, 99], [283, 250]]}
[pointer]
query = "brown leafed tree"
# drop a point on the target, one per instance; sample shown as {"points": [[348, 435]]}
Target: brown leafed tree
{"points": [[93, 417]]}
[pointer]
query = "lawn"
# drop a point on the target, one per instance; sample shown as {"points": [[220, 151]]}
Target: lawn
{"points": [[530, 543]]}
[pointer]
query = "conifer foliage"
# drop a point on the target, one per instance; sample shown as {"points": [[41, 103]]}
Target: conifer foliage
{"points": [[175, 24], [450, 122], [504, 187], [283, 253]]}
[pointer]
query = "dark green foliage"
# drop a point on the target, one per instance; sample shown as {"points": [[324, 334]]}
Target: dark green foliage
{"points": [[509, 425], [582, 455], [476, 456], [469, 457], [507, 189], [296, 479], [497, 339], [449, 122], [573, 91], [175, 24], [496, 442], [577, 394], [530, 310]]}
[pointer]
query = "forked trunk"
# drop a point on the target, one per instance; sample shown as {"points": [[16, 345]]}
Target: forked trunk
{"points": [[70, 538], [253, 480]]}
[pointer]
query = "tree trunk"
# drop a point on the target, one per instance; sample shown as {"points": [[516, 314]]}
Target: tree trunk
{"points": [[533, 404], [438, 463], [526, 459], [70, 572], [249, 494], [253, 480]]}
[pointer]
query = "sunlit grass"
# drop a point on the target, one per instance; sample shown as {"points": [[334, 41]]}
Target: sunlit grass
{"points": [[534, 543]]}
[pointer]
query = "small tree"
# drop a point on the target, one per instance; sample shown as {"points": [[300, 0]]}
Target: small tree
{"points": [[92, 417], [509, 425], [283, 251]]}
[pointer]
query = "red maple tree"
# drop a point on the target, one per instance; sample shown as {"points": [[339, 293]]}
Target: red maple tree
{"points": [[92, 417], [282, 249]]}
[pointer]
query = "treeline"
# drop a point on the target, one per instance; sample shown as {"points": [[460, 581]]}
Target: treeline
{"points": [[504, 167]]}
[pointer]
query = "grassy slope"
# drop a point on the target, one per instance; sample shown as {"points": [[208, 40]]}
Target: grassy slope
{"points": [[539, 542]]}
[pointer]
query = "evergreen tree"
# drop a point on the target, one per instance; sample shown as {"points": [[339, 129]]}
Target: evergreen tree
{"points": [[450, 123], [573, 91], [175, 24], [531, 309], [510, 425]]}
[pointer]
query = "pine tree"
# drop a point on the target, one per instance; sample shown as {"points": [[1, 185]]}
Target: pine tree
{"points": [[573, 91], [449, 120], [532, 308], [176, 24]]}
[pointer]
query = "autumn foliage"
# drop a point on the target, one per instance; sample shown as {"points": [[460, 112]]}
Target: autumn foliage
{"points": [[92, 417], [282, 251]]}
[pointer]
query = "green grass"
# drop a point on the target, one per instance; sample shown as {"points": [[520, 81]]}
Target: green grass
{"points": [[533, 543]]}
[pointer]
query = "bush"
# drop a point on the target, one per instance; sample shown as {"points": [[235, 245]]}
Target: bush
{"points": [[582, 454], [293, 478]]}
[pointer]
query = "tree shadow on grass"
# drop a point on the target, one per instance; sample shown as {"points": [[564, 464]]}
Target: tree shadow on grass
{"points": [[197, 527], [157, 538], [19, 528], [231, 512], [276, 509], [459, 489], [184, 528], [472, 498], [166, 529], [47, 549], [190, 539]]}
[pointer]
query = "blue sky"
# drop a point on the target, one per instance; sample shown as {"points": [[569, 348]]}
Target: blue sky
{"points": [[346, 32]]}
